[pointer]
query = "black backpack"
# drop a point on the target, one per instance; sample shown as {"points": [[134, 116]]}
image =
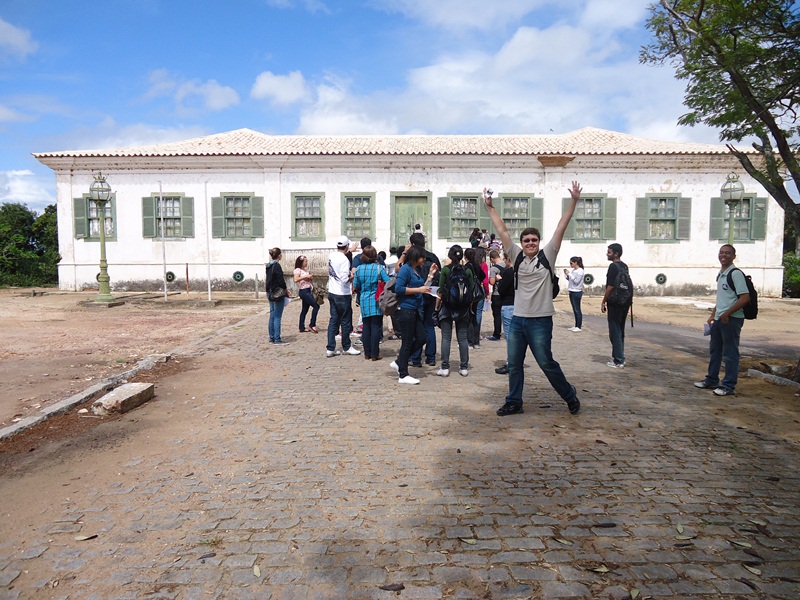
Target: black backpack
{"points": [[751, 308], [456, 292], [388, 300], [622, 294], [545, 263]]}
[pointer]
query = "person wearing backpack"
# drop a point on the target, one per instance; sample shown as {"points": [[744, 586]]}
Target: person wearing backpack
{"points": [[453, 306], [616, 302], [532, 323], [726, 320]]}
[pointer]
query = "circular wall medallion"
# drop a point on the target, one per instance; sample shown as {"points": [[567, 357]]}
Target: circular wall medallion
{"points": [[661, 279], [170, 276], [238, 276], [588, 279]]}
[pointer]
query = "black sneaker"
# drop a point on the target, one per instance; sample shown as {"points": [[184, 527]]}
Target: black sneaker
{"points": [[502, 370], [418, 365], [509, 408], [430, 363], [574, 405]]}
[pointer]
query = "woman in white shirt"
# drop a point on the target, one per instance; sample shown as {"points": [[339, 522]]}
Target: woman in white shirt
{"points": [[575, 289]]}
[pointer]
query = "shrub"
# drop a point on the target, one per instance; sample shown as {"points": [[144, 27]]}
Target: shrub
{"points": [[791, 275]]}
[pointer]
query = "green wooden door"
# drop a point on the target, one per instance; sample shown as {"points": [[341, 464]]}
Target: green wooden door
{"points": [[407, 211]]}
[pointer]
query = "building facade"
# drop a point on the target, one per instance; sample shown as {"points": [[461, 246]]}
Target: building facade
{"points": [[212, 207]]}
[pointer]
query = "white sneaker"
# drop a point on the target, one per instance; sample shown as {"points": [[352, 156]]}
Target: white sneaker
{"points": [[443, 372], [352, 351], [575, 329], [393, 364], [463, 372], [409, 380], [614, 365], [331, 353], [338, 336]]}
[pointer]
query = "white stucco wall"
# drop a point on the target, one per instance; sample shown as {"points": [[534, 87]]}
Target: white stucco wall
{"points": [[686, 263]]}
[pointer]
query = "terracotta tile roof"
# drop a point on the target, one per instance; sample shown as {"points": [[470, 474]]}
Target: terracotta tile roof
{"points": [[246, 142]]}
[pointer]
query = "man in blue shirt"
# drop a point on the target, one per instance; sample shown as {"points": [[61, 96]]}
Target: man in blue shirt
{"points": [[726, 322]]}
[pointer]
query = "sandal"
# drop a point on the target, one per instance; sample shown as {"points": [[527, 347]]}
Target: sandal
{"points": [[314, 329]]}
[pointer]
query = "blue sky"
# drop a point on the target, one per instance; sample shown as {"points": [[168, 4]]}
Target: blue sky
{"points": [[91, 74]]}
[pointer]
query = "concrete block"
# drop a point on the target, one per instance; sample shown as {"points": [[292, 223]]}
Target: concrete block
{"points": [[126, 397]]}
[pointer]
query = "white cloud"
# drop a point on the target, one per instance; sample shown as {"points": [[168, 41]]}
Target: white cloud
{"points": [[336, 112], [25, 187], [15, 42], [454, 15], [191, 96], [280, 89], [9, 115], [312, 6]]}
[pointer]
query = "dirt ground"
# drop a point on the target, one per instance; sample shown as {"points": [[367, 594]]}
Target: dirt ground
{"points": [[56, 344]]}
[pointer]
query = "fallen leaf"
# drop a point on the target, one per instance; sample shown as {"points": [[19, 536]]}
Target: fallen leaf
{"points": [[684, 544], [757, 522], [634, 594], [606, 525], [752, 552], [601, 442], [747, 582], [742, 544], [83, 538], [763, 530], [753, 570], [600, 569], [470, 541], [679, 528], [685, 537], [207, 555], [648, 489], [560, 426], [256, 571], [392, 587], [563, 541]]}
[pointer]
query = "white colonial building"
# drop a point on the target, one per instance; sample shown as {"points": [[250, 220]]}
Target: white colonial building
{"points": [[213, 206]]}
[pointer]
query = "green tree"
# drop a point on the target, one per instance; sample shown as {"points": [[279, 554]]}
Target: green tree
{"points": [[28, 246], [741, 61]]}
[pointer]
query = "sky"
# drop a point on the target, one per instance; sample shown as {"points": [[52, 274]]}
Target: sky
{"points": [[119, 73]]}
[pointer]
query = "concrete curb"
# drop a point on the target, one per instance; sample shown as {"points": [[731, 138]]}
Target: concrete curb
{"points": [[109, 383], [772, 378]]}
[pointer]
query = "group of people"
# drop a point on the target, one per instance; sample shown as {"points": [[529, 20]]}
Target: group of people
{"points": [[522, 292]]}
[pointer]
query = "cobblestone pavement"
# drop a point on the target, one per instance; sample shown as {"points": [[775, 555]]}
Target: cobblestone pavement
{"points": [[273, 472]]}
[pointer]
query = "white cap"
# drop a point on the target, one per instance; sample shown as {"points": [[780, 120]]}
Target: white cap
{"points": [[343, 242]]}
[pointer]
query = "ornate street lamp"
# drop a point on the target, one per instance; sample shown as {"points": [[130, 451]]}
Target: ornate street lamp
{"points": [[732, 192], [100, 193]]}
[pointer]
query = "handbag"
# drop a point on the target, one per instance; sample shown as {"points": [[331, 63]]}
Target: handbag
{"points": [[277, 294], [381, 286]]}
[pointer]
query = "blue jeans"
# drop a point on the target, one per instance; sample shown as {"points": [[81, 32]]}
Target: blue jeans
{"points": [[506, 312], [429, 305], [616, 331], [575, 301], [341, 315], [535, 333], [275, 314], [724, 347], [412, 337], [371, 336], [461, 326], [308, 302], [474, 333]]}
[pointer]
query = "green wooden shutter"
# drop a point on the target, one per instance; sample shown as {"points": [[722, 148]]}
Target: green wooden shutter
{"points": [[758, 227], [257, 216], [444, 217], [187, 217], [569, 232], [217, 217], [716, 229], [80, 218], [343, 211], [536, 213], [148, 217], [684, 226], [642, 228], [609, 227]]}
